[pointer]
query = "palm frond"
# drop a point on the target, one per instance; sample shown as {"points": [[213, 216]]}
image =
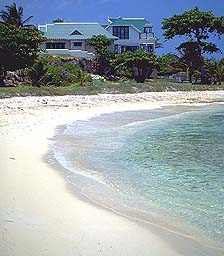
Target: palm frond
{"points": [[4, 15], [27, 19], [20, 11], [13, 15]]}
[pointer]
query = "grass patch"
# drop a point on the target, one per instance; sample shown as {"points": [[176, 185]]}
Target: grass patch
{"points": [[23, 91], [99, 86]]}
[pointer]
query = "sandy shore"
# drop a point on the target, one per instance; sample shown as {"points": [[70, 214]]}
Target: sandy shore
{"points": [[39, 215]]}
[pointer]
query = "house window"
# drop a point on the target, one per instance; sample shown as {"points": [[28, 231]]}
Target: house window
{"points": [[122, 32], [131, 48], [55, 45], [147, 30], [116, 48], [123, 48], [147, 47], [77, 44]]}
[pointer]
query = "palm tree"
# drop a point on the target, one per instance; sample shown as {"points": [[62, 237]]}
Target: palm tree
{"points": [[58, 20], [13, 16], [38, 73], [83, 77], [219, 72]]}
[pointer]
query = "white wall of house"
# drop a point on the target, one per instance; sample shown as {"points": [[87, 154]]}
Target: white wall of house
{"points": [[69, 45], [82, 47], [75, 53], [84, 51], [133, 40], [133, 36], [43, 45]]}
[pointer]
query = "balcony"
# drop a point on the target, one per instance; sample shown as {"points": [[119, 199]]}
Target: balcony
{"points": [[146, 35]]}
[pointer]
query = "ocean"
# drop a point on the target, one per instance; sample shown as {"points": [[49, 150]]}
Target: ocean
{"points": [[163, 166]]}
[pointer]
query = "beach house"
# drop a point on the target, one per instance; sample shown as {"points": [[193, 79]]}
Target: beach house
{"points": [[127, 34], [70, 38], [132, 34]]}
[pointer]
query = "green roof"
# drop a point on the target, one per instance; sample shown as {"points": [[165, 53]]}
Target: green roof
{"points": [[73, 31], [138, 23]]}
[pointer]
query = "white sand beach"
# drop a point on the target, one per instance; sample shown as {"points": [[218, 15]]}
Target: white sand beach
{"points": [[39, 212]]}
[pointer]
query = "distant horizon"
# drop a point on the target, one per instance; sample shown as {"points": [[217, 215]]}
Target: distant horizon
{"points": [[98, 11]]}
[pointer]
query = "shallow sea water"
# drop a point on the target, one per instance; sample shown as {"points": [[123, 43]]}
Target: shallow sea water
{"points": [[164, 166]]}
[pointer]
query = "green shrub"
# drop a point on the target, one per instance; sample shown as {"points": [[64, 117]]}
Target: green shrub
{"points": [[67, 74], [37, 73], [52, 71]]}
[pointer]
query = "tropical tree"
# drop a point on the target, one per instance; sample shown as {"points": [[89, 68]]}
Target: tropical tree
{"points": [[190, 57], [101, 45], [222, 61], [219, 72], [14, 16], [158, 44], [140, 62], [18, 48], [84, 78], [198, 27], [169, 64], [214, 70], [58, 20]]}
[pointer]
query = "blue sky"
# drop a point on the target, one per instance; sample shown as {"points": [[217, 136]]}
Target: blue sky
{"points": [[100, 10]]}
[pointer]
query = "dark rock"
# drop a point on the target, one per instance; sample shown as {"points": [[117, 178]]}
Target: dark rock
{"points": [[14, 78]]}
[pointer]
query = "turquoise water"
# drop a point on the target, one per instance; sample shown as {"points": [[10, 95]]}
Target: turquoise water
{"points": [[165, 165]]}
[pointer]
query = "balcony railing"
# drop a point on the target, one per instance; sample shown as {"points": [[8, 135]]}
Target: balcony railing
{"points": [[146, 35]]}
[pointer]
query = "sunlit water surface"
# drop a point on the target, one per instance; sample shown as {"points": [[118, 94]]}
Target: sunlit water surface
{"points": [[164, 165]]}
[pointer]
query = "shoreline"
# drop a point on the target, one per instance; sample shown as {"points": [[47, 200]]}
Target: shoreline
{"points": [[73, 175], [39, 213]]}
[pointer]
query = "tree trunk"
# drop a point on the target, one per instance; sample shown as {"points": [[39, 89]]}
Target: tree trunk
{"points": [[203, 74], [202, 69], [190, 73], [2, 76], [141, 74]]}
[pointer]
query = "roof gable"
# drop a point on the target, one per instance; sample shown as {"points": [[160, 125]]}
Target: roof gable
{"points": [[76, 33], [138, 23]]}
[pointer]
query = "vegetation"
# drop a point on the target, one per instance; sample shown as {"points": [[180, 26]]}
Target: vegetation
{"points": [[18, 45], [214, 70], [101, 46], [198, 27], [219, 72], [122, 86], [14, 16], [169, 64], [37, 73], [52, 71], [190, 57], [58, 20], [18, 48], [140, 63]]}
